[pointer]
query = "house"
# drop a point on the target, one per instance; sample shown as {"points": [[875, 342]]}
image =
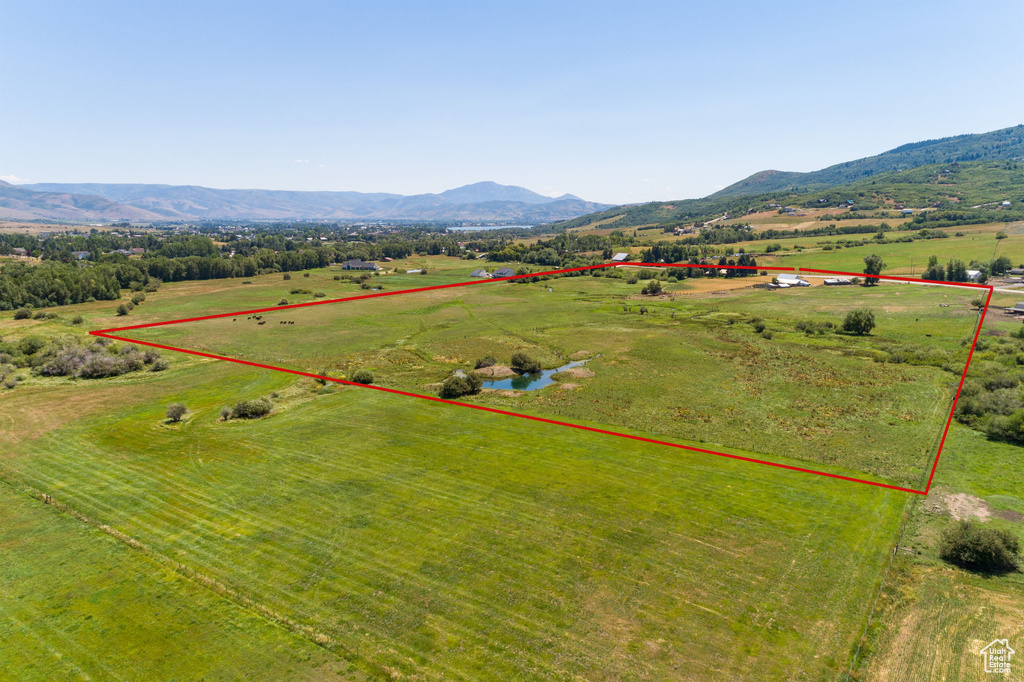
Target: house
{"points": [[80, 255], [480, 273], [792, 280], [907, 211], [620, 257], [1005, 204], [974, 275], [503, 272], [356, 264], [136, 251], [18, 251], [836, 281]]}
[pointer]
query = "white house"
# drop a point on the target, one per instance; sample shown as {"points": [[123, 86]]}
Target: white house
{"points": [[792, 280], [480, 273], [974, 275]]}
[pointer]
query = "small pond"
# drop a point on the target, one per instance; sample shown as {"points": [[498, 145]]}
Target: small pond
{"points": [[531, 382]]}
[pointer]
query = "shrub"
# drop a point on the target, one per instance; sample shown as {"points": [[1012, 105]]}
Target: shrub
{"points": [[30, 345], [251, 409], [319, 294], [978, 302], [225, 413], [287, 275], [456, 386], [337, 278], [980, 548], [77, 319], [767, 335], [759, 326], [138, 298], [123, 310], [22, 314], [305, 274], [523, 363], [1000, 235], [859, 322], [159, 365], [175, 411], [632, 280], [423, 271], [652, 288], [362, 376], [283, 301], [488, 361]]}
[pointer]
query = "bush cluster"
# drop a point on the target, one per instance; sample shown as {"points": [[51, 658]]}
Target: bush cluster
{"points": [[251, 409], [456, 385], [524, 364], [75, 357], [980, 548]]}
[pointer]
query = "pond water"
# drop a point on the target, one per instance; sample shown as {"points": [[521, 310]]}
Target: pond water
{"points": [[531, 382]]}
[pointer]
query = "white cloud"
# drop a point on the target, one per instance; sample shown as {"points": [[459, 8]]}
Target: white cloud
{"points": [[301, 160], [322, 165], [13, 179]]}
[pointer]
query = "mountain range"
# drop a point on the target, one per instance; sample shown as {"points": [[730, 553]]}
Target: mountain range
{"points": [[83, 202]]}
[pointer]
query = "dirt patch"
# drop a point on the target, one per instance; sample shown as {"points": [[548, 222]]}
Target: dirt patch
{"points": [[1009, 515], [580, 355], [962, 506], [573, 373], [568, 387], [495, 371]]}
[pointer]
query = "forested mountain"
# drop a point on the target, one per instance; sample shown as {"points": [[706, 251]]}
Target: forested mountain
{"points": [[977, 187], [1007, 143], [486, 201]]}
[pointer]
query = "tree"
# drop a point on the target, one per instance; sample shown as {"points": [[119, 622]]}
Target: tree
{"points": [[973, 546], [859, 322], [123, 310], [956, 271], [935, 272], [978, 302], [457, 385], [524, 364], [362, 376], [873, 265], [652, 288], [175, 411]]}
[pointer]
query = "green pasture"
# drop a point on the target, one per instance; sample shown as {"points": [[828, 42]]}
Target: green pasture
{"points": [[691, 368], [76, 604], [430, 542]]}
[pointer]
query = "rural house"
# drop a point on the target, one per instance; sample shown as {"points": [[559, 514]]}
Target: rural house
{"points": [[974, 275], [481, 273], [791, 280], [18, 251], [503, 272], [620, 257], [357, 264]]}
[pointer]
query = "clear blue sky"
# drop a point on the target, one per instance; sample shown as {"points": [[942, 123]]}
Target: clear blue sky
{"points": [[615, 102]]}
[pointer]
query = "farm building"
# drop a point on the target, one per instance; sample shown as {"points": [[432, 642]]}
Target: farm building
{"points": [[792, 280], [907, 211], [357, 264], [1016, 310], [1006, 204], [837, 281], [620, 257], [974, 275], [503, 272], [481, 273], [18, 251]]}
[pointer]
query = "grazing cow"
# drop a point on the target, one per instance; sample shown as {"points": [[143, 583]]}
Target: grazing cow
{"points": [[262, 323]]}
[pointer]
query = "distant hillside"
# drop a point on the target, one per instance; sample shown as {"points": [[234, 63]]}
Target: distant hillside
{"points": [[1007, 143], [17, 203], [485, 201], [954, 185]]}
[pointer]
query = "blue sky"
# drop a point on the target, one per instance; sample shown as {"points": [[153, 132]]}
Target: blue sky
{"points": [[616, 102]]}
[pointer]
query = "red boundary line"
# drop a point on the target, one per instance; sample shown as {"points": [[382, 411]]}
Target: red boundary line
{"points": [[106, 333]]}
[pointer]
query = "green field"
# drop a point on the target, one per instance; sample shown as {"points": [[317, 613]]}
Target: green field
{"points": [[691, 369], [411, 540]]}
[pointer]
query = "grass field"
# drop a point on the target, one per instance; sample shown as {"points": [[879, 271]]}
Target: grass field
{"points": [[690, 369], [420, 541], [423, 541], [77, 605]]}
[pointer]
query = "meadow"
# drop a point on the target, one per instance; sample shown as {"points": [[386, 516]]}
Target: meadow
{"points": [[410, 540], [691, 367]]}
